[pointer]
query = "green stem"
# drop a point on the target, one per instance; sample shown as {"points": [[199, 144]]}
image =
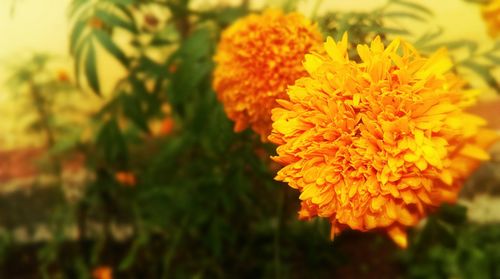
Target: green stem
{"points": [[278, 232], [314, 12], [39, 102]]}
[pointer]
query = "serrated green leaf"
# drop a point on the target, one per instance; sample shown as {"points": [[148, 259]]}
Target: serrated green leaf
{"points": [[427, 38], [290, 5], [91, 69], [115, 21], [414, 6], [111, 47]]}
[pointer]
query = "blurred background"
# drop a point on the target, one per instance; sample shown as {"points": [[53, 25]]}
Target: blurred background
{"points": [[110, 167]]}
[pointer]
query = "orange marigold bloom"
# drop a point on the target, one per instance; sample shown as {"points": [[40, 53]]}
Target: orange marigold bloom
{"points": [[491, 14], [126, 178], [102, 272], [257, 58], [378, 143]]}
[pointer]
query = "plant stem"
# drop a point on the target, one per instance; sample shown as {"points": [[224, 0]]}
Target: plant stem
{"points": [[278, 232], [39, 102]]}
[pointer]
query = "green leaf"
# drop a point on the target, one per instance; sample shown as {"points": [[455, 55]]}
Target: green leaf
{"points": [[78, 56], [115, 21], [76, 6], [76, 33], [139, 242], [385, 30], [230, 14], [91, 69], [111, 144], [484, 72], [455, 214], [67, 143], [494, 59], [166, 36], [132, 109], [414, 6], [151, 67], [126, 12], [197, 45], [470, 45], [111, 47]]}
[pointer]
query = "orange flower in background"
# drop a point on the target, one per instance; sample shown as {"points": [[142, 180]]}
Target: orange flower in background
{"points": [[167, 125], [126, 178], [491, 15], [96, 23], [378, 143], [62, 76], [162, 127], [102, 272], [257, 58]]}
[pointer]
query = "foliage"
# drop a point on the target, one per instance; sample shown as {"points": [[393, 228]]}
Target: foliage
{"points": [[450, 247]]}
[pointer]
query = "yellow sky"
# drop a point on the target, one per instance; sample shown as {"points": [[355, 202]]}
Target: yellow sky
{"points": [[42, 26]]}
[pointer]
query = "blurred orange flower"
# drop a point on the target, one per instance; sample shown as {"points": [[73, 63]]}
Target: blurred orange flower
{"points": [[102, 272], [378, 143], [126, 178], [62, 75], [257, 58], [96, 23], [173, 68], [162, 127], [491, 14]]}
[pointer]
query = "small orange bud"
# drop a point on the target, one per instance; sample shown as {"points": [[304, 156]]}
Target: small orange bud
{"points": [[96, 23], [162, 127], [126, 178], [102, 272], [167, 126], [62, 75], [172, 68]]}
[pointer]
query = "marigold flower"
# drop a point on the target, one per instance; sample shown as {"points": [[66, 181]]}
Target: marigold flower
{"points": [[126, 178], [491, 15], [377, 144], [257, 58], [102, 272]]}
